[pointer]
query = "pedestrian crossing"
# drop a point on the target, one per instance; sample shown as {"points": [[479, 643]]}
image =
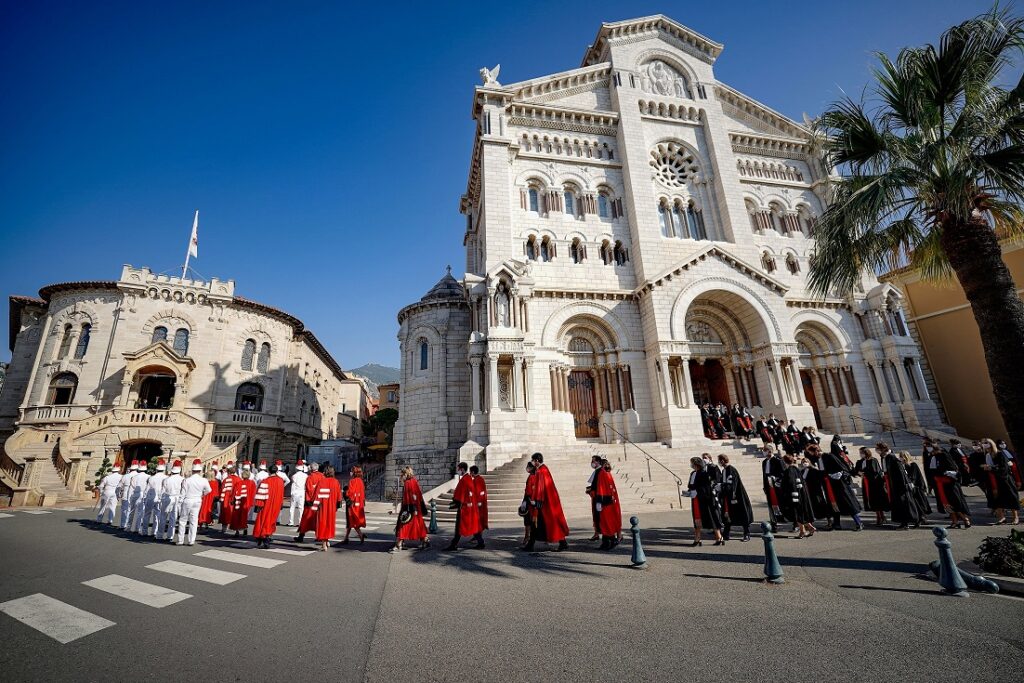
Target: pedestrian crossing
{"points": [[59, 620], [139, 591], [4, 515], [194, 571], [238, 558]]}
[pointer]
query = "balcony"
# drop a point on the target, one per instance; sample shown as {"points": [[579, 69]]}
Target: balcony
{"points": [[53, 414]]}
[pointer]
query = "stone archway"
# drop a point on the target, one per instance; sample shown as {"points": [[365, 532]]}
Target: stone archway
{"points": [[826, 376]]}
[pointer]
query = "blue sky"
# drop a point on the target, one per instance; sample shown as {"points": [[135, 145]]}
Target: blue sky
{"points": [[326, 145]]}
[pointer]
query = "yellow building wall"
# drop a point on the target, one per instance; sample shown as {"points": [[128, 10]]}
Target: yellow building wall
{"points": [[951, 343]]}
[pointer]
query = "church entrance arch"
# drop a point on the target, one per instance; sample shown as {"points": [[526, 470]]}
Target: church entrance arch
{"points": [[140, 450]]}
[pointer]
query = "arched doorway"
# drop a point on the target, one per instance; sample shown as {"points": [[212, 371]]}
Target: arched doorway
{"points": [[155, 388], [140, 450], [826, 377]]}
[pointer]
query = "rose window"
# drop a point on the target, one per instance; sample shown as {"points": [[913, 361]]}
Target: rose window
{"points": [[673, 164]]}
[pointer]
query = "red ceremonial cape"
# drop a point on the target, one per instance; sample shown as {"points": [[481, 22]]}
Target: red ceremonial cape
{"points": [[325, 507], [469, 515], [355, 510], [269, 497], [227, 497], [609, 519], [245, 491], [308, 520], [481, 500], [206, 509], [412, 500], [555, 525]]}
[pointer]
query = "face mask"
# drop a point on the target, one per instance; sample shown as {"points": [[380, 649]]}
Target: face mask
{"points": [[595, 465]]}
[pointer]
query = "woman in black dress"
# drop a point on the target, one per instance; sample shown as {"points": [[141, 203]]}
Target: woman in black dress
{"points": [[901, 491], [949, 495], [736, 508], [919, 487], [706, 513], [872, 479], [999, 472], [795, 492]]}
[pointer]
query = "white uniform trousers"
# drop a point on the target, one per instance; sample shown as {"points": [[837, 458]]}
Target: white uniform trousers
{"points": [[188, 521], [138, 508], [161, 520], [171, 512], [108, 507], [297, 503], [149, 516], [126, 512]]}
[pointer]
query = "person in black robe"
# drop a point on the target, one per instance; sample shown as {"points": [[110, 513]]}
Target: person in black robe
{"points": [[839, 473], [1004, 489], [949, 495], [736, 508], [812, 434], [919, 487], [926, 453], [872, 479], [1011, 459], [709, 418], [813, 472], [963, 462], [976, 459], [706, 513], [794, 491], [722, 426], [777, 431], [739, 425], [804, 439], [764, 430], [791, 438], [901, 490], [771, 479]]}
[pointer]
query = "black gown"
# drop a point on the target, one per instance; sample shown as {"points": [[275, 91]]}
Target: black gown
{"points": [[949, 495], [771, 479], [794, 491], [839, 490], [814, 477], [706, 513], [901, 492], [876, 498], [1002, 483], [736, 508], [920, 490]]}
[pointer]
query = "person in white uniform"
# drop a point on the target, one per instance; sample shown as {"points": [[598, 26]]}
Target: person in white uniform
{"points": [[298, 492], [153, 513], [108, 487], [262, 473], [139, 486], [192, 492], [170, 499], [125, 493], [280, 472]]}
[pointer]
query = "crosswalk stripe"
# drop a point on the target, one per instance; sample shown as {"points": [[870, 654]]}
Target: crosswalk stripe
{"points": [[288, 551], [36, 512], [58, 620], [130, 589], [4, 514], [192, 571], [238, 558], [71, 509]]}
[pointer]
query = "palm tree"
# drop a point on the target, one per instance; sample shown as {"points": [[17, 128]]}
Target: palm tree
{"points": [[932, 175]]}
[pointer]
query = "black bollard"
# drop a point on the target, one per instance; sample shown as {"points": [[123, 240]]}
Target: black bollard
{"points": [[639, 559], [949, 576], [772, 567]]}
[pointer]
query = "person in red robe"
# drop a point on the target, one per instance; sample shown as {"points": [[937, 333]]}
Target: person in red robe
{"points": [[606, 502], [268, 500], [206, 509], [326, 501], [410, 519], [467, 513], [526, 508], [355, 505], [227, 496], [481, 499], [550, 519], [244, 496], [308, 521]]}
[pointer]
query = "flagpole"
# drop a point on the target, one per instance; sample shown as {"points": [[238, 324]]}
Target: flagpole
{"points": [[188, 252]]}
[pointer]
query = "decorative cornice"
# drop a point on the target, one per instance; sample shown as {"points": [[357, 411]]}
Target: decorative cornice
{"points": [[562, 84], [590, 295], [768, 145], [751, 271], [563, 118], [759, 112], [633, 29], [818, 303]]}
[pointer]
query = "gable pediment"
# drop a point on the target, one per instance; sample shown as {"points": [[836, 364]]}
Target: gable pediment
{"points": [[756, 117], [159, 353], [710, 253]]}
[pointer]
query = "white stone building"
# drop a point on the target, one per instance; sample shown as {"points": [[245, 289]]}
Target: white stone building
{"points": [[637, 238], [156, 365]]}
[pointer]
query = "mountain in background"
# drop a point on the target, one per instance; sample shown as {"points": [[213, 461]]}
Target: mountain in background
{"points": [[376, 375]]}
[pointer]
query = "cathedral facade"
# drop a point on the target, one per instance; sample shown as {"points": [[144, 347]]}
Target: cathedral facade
{"points": [[638, 238]]}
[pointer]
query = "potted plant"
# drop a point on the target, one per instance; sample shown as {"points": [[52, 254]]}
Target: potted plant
{"points": [[103, 471]]}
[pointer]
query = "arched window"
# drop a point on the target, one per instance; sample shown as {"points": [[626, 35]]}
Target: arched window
{"points": [[606, 253], [263, 361], [248, 351], [62, 389], [603, 211], [159, 334], [65, 343], [577, 251], [83, 341], [534, 197], [695, 219], [807, 221], [424, 354], [665, 219], [302, 413], [779, 219], [547, 250], [570, 201], [249, 397], [768, 261], [531, 248], [792, 265], [256, 450], [620, 254], [181, 341], [684, 227]]}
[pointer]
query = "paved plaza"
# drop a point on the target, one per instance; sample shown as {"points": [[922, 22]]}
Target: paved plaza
{"points": [[855, 606]]}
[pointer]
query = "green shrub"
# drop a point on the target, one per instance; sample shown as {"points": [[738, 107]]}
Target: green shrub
{"points": [[1003, 555]]}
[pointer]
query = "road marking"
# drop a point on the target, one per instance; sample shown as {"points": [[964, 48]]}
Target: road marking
{"points": [[237, 558], [59, 620], [294, 553], [36, 512], [192, 571], [4, 514], [146, 593], [71, 509]]}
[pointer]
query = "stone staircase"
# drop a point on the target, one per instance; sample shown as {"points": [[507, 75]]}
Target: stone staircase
{"points": [[644, 486]]}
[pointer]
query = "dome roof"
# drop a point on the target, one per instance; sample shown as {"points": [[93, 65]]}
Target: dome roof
{"points": [[446, 288]]}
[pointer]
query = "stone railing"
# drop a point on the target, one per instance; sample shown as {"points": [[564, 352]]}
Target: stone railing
{"points": [[11, 473], [222, 456], [42, 414], [21, 439], [247, 417], [62, 464], [138, 417]]}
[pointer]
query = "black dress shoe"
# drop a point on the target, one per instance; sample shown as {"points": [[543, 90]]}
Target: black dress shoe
{"points": [[450, 548], [563, 545]]}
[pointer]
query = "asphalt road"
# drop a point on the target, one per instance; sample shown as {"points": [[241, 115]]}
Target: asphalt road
{"points": [[854, 607]]}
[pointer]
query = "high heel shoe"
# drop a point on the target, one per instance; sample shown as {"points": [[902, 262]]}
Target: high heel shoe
{"points": [[719, 542], [696, 543]]}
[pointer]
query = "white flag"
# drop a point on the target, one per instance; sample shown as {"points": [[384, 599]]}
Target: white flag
{"points": [[193, 245]]}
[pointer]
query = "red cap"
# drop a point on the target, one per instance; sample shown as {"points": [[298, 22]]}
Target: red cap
{"points": [[161, 462], [197, 461], [177, 463], [301, 462], [278, 462]]}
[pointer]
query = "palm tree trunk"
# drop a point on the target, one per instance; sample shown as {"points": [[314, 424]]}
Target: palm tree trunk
{"points": [[973, 251]]}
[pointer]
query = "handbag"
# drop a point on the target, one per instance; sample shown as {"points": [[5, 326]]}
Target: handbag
{"points": [[405, 517]]}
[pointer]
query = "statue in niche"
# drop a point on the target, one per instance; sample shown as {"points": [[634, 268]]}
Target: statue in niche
{"points": [[501, 300], [698, 331], [661, 78], [490, 76], [680, 88]]}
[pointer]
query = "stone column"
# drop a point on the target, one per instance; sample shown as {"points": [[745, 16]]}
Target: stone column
{"points": [[618, 385], [554, 387], [666, 381], [688, 398], [627, 376], [126, 390], [845, 385], [901, 375], [528, 385], [794, 376], [475, 383], [493, 402], [919, 377], [883, 392], [515, 399]]}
